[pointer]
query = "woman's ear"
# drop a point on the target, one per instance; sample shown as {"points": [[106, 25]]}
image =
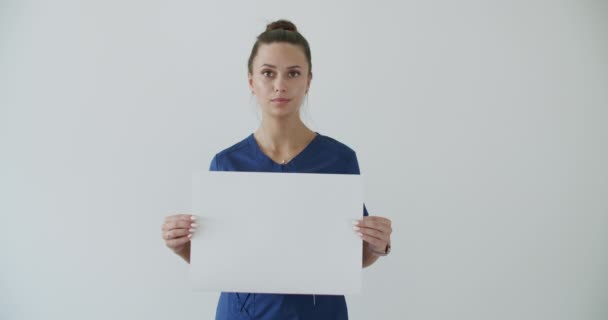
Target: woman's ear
{"points": [[308, 84], [250, 81]]}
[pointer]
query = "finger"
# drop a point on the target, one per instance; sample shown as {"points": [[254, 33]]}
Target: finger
{"points": [[176, 233], [374, 222], [373, 241], [377, 219], [380, 228], [185, 217], [173, 243], [178, 224], [374, 233]]}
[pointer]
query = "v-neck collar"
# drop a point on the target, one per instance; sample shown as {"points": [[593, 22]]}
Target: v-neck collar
{"points": [[261, 155]]}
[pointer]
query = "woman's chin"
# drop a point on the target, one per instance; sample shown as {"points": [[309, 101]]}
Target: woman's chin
{"points": [[280, 112]]}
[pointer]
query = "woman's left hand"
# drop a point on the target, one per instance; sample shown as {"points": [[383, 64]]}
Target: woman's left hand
{"points": [[376, 231]]}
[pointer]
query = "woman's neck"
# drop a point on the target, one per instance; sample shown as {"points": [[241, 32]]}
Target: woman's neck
{"points": [[283, 136]]}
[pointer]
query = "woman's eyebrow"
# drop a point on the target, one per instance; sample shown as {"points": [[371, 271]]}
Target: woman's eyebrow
{"points": [[271, 66]]}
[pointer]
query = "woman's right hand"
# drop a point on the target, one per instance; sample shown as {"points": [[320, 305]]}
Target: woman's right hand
{"points": [[177, 231]]}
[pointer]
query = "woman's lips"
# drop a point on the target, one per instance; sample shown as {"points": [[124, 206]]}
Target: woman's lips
{"points": [[280, 100]]}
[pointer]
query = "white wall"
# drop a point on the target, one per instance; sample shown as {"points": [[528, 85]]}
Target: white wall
{"points": [[480, 129]]}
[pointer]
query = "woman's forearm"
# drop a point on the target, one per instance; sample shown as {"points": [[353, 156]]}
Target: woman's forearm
{"points": [[368, 256], [185, 253]]}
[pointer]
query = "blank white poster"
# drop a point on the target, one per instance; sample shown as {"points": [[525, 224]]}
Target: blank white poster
{"points": [[276, 232]]}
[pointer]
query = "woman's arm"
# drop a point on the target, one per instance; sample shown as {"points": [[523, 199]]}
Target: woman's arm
{"points": [[177, 231], [368, 255], [185, 253], [376, 235]]}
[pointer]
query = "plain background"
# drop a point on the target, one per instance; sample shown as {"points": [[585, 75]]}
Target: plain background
{"points": [[480, 128]]}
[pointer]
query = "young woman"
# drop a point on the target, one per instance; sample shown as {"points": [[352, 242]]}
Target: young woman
{"points": [[279, 74]]}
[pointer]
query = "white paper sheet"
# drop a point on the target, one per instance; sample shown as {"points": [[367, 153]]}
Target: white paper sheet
{"points": [[276, 233]]}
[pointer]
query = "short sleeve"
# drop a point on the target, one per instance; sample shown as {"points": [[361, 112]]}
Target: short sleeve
{"points": [[353, 165], [353, 168], [213, 166]]}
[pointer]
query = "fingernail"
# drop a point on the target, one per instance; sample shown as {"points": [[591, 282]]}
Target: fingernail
{"points": [[355, 222], [190, 235], [360, 234], [356, 228], [192, 217], [194, 225], [191, 230]]}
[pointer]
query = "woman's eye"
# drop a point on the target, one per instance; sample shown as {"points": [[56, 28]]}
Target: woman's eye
{"points": [[269, 73]]}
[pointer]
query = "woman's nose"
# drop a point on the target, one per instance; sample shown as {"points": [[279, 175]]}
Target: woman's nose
{"points": [[280, 85]]}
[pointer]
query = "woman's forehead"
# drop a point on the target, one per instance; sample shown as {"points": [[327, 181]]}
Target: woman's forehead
{"points": [[280, 55]]}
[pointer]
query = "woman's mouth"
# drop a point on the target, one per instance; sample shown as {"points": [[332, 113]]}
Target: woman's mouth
{"points": [[280, 100]]}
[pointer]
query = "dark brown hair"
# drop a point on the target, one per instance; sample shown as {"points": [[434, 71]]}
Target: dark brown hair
{"points": [[280, 31]]}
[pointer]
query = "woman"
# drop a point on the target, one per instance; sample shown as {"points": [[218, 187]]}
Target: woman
{"points": [[279, 74]]}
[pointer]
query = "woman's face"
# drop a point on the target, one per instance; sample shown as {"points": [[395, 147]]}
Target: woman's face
{"points": [[280, 79]]}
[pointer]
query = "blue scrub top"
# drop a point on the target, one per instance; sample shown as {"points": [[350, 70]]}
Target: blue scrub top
{"points": [[322, 155]]}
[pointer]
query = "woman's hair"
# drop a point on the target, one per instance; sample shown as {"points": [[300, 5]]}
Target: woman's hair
{"points": [[280, 31]]}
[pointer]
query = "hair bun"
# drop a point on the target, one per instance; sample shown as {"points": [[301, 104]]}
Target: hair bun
{"points": [[281, 25]]}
